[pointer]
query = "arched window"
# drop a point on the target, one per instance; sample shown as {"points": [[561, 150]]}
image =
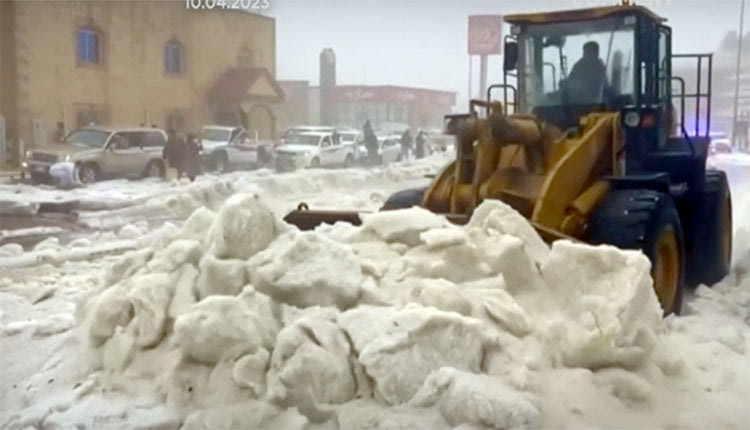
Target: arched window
{"points": [[174, 57], [245, 58], [89, 45]]}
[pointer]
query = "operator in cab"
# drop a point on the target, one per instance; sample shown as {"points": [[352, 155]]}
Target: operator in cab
{"points": [[588, 77]]}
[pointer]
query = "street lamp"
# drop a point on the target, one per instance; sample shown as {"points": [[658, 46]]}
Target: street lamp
{"points": [[737, 74]]}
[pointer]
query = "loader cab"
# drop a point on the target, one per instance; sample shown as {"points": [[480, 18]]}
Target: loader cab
{"points": [[569, 69], [571, 63]]}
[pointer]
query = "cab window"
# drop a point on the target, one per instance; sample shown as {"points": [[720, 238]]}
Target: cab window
{"points": [[153, 140], [326, 141], [577, 63], [122, 141], [234, 134], [240, 139]]}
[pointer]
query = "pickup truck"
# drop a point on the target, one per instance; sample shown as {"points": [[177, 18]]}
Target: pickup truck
{"points": [[226, 148], [313, 149]]}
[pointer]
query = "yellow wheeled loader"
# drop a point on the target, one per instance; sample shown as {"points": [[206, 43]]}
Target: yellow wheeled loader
{"points": [[593, 152]]}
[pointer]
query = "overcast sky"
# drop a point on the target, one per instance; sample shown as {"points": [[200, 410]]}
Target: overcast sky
{"points": [[422, 43]]}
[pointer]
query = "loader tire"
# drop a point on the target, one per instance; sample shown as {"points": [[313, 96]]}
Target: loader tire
{"points": [[646, 220], [712, 235], [404, 199]]}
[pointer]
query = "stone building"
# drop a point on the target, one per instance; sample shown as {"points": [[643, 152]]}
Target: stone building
{"points": [[72, 63]]}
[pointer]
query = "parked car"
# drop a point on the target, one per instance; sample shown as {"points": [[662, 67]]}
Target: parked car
{"points": [[102, 152], [226, 148], [437, 141], [299, 129], [720, 146], [346, 134], [389, 149], [313, 149], [392, 127], [350, 136]]}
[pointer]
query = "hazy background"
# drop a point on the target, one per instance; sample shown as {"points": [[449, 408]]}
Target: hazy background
{"points": [[422, 43]]}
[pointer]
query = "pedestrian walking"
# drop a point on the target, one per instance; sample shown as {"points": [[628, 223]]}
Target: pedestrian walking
{"points": [[192, 152], [174, 152], [59, 135], [406, 144], [421, 140]]}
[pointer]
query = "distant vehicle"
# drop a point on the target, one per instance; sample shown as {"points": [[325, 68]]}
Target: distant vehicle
{"points": [[391, 127], [720, 146], [102, 152], [313, 149], [353, 137], [299, 129], [389, 149], [225, 148], [437, 141]]}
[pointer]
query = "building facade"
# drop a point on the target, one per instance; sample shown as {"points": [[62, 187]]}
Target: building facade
{"points": [[296, 107], [352, 105], [72, 63], [385, 106]]}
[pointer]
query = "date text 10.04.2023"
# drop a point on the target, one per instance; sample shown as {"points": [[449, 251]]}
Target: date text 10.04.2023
{"points": [[227, 4]]}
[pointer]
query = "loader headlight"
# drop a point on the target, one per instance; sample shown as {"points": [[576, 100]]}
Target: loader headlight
{"points": [[632, 119]]}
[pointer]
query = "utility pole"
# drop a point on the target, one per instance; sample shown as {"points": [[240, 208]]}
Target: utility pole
{"points": [[482, 76], [737, 74], [469, 93]]}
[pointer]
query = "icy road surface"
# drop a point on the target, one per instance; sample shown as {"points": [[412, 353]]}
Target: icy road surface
{"points": [[405, 322]]}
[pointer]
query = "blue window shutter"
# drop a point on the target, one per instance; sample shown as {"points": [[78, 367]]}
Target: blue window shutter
{"points": [[88, 46], [166, 57], [172, 58], [87, 56], [81, 48], [94, 47]]}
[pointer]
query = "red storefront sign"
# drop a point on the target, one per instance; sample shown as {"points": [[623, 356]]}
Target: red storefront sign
{"points": [[390, 94], [485, 34]]}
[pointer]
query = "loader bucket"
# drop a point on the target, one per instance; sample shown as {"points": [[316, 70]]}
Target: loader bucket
{"points": [[306, 219]]}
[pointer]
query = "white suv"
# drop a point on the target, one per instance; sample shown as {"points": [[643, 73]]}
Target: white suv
{"points": [[313, 149]]}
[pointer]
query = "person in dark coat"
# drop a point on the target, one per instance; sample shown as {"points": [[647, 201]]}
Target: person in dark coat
{"points": [[174, 152], [406, 144], [371, 143], [192, 161], [421, 140]]}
